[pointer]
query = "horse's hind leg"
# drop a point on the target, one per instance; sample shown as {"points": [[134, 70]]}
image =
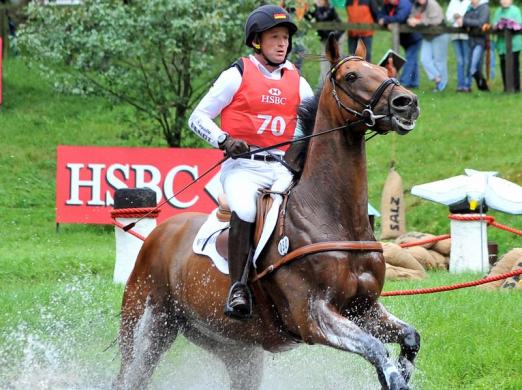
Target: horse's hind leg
{"points": [[244, 363], [389, 329], [244, 366], [147, 331]]}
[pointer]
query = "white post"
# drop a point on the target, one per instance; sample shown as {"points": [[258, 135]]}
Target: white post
{"points": [[469, 245], [128, 245]]}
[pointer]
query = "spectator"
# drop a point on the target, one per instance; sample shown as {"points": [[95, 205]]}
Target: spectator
{"points": [[361, 11], [397, 11], [325, 12], [454, 14], [434, 48], [299, 11], [477, 16], [508, 16]]}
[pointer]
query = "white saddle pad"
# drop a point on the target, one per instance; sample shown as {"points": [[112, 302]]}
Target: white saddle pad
{"points": [[205, 241]]}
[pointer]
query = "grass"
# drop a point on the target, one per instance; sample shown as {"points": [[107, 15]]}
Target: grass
{"points": [[58, 306]]}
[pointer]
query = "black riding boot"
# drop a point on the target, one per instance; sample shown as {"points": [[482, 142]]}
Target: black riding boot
{"points": [[482, 84], [239, 301]]}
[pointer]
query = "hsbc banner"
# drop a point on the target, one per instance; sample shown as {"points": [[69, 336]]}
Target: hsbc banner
{"points": [[88, 176]]}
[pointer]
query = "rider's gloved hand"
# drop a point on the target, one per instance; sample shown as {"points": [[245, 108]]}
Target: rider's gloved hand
{"points": [[233, 147]]}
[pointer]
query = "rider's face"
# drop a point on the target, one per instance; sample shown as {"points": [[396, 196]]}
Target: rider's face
{"points": [[274, 43]]}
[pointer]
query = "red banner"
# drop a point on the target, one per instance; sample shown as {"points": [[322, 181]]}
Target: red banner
{"points": [[1, 54], [87, 177]]}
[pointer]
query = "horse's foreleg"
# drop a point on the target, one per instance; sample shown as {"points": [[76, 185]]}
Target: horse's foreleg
{"points": [[332, 329], [389, 329]]}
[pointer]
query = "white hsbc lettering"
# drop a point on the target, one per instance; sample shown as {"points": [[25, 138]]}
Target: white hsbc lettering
{"points": [[117, 176], [269, 99]]}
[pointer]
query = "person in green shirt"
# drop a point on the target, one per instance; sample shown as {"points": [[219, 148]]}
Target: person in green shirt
{"points": [[508, 16]]}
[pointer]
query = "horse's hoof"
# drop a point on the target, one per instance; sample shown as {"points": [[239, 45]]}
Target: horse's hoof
{"points": [[397, 382]]}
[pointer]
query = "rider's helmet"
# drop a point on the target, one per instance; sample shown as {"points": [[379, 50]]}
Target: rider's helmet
{"points": [[264, 18]]}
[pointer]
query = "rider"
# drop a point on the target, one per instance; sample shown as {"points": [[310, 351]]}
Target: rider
{"points": [[257, 98]]}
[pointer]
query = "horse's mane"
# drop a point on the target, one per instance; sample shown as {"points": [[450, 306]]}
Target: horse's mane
{"points": [[307, 111]]}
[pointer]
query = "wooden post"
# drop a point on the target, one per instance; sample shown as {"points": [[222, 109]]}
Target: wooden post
{"points": [[508, 37], [394, 28]]}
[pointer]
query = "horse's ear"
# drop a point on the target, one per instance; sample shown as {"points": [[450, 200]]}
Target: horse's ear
{"points": [[332, 49], [360, 51]]}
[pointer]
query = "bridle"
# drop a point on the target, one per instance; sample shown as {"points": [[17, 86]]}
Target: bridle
{"points": [[366, 114]]}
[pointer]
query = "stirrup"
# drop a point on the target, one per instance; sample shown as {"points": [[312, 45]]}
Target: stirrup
{"points": [[239, 311]]}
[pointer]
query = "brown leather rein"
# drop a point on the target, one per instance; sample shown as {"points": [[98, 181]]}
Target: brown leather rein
{"points": [[318, 247]]}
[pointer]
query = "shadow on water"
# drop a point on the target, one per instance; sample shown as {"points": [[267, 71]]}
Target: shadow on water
{"points": [[63, 347]]}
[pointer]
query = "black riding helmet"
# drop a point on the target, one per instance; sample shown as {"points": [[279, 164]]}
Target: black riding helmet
{"points": [[266, 17]]}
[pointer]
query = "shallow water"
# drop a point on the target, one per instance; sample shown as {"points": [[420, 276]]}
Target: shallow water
{"points": [[64, 348]]}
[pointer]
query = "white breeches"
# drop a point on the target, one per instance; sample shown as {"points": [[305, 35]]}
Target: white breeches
{"points": [[241, 179]]}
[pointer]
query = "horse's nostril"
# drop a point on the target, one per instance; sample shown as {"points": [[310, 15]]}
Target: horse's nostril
{"points": [[402, 101]]}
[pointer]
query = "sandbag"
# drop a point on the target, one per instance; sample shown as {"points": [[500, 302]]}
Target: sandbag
{"points": [[422, 256], [398, 257], [514, 281], [505, 264], [443, 247], [400, 273], [441, 261], [393, 207], [415, 236]]}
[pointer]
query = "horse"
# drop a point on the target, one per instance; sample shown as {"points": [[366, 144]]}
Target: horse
{"points": [[324, 292]]}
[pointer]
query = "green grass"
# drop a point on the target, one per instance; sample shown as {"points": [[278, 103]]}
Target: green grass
{"points": [[58, 306]]}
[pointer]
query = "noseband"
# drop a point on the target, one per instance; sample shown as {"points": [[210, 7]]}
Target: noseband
{"points": [[366, 114]]}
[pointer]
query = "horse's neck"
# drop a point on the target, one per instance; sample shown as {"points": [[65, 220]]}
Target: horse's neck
{"points": [[334, 184]]}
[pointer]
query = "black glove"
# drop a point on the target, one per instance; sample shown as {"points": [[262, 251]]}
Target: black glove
{"points": [[233, 147]]}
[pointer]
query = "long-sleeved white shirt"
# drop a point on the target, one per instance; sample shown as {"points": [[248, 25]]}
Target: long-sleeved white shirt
{"points": [[222, 92]]}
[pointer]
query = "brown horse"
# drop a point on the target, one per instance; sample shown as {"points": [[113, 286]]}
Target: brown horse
{"points": [[328, 296]]}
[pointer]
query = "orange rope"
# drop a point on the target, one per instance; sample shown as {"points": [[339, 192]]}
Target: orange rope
{"points": [[425, 241], [137, 212], [454, 286]]}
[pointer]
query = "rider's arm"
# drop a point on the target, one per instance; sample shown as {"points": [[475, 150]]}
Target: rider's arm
{"points": [[219, 96]]}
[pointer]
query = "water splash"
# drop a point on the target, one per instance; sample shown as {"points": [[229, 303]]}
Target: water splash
{"points": [[61, 345]]}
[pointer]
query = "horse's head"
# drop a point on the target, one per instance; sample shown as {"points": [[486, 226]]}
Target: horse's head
{"points": [[364, 93]]}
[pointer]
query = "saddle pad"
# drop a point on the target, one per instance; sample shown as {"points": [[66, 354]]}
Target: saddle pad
{"points": [[205, 241]]}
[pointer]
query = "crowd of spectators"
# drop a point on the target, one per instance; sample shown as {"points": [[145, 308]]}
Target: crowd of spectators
{"points": [[470, 50]]}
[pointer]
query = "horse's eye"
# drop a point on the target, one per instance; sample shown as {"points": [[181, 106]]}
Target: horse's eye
{"points": [[352, 76]]}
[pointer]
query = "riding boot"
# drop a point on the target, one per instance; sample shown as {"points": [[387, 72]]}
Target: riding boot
{"points": [[239, 301], [482, 84]]}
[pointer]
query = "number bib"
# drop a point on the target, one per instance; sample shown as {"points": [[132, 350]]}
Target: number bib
{"points": [[263, 112]]}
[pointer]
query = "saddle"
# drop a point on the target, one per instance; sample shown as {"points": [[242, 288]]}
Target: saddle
{"points": [[264, 203]]}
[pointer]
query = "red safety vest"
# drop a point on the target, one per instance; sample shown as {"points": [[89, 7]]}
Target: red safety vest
{"points": [[263, 112]]}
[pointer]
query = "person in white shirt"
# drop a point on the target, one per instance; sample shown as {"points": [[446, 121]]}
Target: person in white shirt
{"points": [[257, 99], [454, 14]]}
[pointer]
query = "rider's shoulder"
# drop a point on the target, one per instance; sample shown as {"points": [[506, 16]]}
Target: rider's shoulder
{"points": [[239, 65]]}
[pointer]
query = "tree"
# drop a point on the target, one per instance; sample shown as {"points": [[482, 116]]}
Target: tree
{"points": [[159, 56]]}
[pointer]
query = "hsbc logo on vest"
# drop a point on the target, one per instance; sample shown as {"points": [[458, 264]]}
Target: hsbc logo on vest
{"points": [[273, 97]]}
